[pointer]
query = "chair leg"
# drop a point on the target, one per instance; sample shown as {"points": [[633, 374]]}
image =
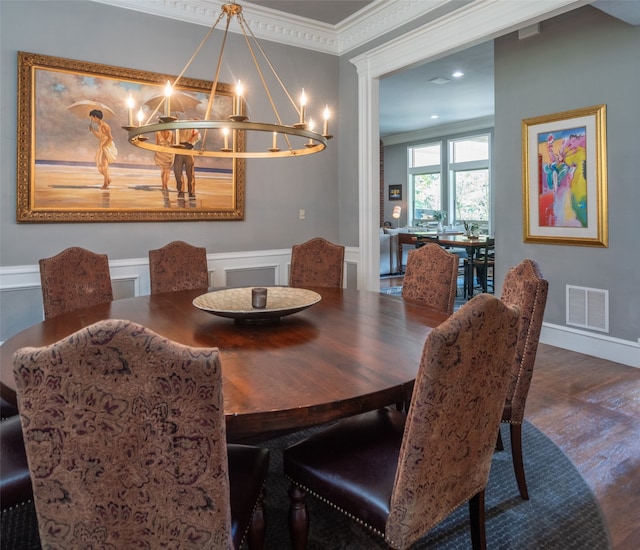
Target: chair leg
{"points": [[298, 518], [518, 464], [258, 528], [476, 517]]}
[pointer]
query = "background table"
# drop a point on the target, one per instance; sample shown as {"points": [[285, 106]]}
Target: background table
{"points": [[471, 245], [411, 238], [351, 352], [458, 240]]}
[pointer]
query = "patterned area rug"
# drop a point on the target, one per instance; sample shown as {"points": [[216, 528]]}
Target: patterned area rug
{"points": [[562, 512]]}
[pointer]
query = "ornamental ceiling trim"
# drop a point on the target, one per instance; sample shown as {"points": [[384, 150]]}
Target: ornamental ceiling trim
{"points": [[373, 21]]}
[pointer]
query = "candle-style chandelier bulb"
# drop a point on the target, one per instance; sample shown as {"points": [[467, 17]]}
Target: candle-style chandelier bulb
{"points": [[235, 125]]}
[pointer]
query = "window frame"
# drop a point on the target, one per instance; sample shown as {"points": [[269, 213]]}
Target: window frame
{"points": [[447, 170]]}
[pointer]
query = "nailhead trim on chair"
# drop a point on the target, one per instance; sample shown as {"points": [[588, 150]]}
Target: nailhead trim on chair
{"points": [[358, 520], [255, 507], [354, 518], [526, 343], [16, 506]]}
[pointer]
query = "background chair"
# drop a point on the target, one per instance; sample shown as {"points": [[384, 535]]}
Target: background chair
{"points": [[125, 437], [178, 266], [400, 475], [317, 263], [431, 277], [74, 279], [484, 264], [525, 287]]}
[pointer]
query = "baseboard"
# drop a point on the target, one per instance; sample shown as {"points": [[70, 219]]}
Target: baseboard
{"points": [[617, 350]]}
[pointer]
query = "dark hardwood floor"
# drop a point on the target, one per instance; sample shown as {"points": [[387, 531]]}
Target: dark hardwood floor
{"points": [[590, 408]]}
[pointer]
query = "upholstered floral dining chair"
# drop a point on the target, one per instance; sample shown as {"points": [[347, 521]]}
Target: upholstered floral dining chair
{"points": [[125, 437], [525, 287], [431, 277], [317, 262], [178, 266], [400, 475], [74, 279]]}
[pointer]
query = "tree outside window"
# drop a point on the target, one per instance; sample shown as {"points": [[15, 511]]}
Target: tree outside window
{"points": [[472, 194]]}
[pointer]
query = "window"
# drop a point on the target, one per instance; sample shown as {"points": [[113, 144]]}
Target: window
{"points": [[425, 175], [457, 181]]}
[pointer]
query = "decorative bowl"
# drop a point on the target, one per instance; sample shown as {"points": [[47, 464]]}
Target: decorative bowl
{"points": [[235, 303]]}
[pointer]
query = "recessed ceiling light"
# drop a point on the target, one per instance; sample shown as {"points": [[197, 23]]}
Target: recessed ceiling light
{"points": [[435, 116], [457, 74], [439, 80]]}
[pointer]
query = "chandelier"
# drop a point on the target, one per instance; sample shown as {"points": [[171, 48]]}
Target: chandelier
{"points": [[287, 140]]}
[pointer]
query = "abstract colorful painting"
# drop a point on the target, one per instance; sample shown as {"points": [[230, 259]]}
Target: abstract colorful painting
{"points": [[564, 175], [562, 200]]}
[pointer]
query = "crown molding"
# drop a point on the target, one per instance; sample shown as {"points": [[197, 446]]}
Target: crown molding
{"points": [[381, 17], [376, 19]]}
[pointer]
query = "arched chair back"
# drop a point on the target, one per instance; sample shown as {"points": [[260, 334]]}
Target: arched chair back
{"points": [[74, 279], [525, 287], [178, 266], [400, 475], [431, 277], [317, 262], [125, 438]]}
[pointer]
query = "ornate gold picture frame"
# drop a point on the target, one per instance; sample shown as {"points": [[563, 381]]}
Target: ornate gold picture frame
{"points": [[564, 158], [66, 172]]}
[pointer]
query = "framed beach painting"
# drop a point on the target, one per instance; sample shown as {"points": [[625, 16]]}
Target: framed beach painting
{"points": [[75, 162], [565, 178]]}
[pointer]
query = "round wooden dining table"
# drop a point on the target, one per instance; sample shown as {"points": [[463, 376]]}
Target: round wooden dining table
{"points": [[351, 352]]}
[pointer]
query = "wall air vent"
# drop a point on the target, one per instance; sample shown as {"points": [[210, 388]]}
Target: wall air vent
{"points": [[588, 308]]}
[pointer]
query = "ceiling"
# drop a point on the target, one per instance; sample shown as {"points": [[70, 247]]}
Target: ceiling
{"points": [[325, 11], [408, 100]]}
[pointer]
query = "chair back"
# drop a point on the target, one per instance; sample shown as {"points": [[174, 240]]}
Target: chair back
{"points": [[525, 287], [453, 418], [74, 279], [317, 263], [431, 277], [178, 266], [125, 439]]}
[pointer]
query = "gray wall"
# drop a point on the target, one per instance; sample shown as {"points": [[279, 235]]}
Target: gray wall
{"points": [[275, 189], [579, 59]]}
